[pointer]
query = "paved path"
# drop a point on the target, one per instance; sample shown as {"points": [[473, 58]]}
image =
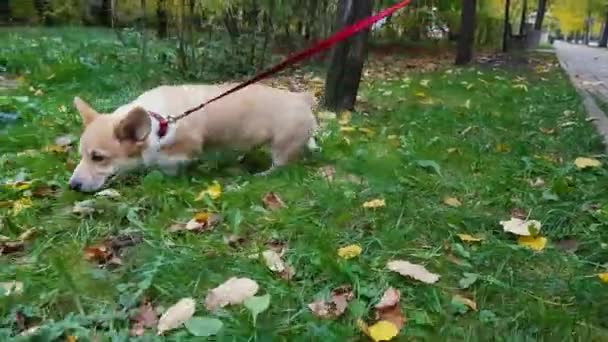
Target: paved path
{"points": [[588, 66], [588, 69]]}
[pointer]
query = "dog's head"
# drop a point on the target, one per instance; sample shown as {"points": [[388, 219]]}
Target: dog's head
{"points": [[110, 144]]}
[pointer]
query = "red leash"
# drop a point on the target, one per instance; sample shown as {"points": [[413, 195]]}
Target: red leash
{"points": [[293, 59]]}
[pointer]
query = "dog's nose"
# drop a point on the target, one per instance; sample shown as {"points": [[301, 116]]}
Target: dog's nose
{"points": [[75, 185]]}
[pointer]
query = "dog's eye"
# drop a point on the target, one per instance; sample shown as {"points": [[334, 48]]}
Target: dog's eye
{"points": [[96, 157]]}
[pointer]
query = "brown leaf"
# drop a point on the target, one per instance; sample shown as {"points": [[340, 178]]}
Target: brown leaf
{"points": [[389, 308], [336, 305], [97, 253], [567, 245], [176, 315], [108, 252], [272, 201], [519, 213], [201, 222], [45, 191], [466, 301], [328, 172], [8, 247], [146, 317], [276, 264], [234, 240]]}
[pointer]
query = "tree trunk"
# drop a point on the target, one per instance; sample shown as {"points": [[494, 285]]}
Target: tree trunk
{"points": [[604, 38], [105, 14], [5, 11], [587, 29], [466, 38], [42, 9], [506, 34], [540, 14], [162, 19], [348, 58], [524, 18]]}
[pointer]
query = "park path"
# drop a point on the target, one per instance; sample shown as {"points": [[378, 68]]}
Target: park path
{"points": [[588, 69]]}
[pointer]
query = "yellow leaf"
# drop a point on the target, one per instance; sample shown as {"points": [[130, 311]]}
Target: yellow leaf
{"points": [[367, 131], [427, 101], [376, 203], [521, 86], [425, 83], [466, 301], [420, 94], [21, 204], [55, 149], [536, 243], [214, 191], [347, 129], [603, 277], [467, 104], [503, 148], [452, 150], [584, 163], [469, 238], [452, 202], [345, 117], [382, 331], [63, 109], [349, 252]]}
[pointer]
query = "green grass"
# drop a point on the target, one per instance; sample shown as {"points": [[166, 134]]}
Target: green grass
{"points": [[522, 295]]}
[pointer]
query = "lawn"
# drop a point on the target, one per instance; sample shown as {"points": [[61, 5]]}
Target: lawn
{"points": [[450, 151]]}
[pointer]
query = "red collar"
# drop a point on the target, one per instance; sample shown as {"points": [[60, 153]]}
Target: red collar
{"points": [[163, 124]]}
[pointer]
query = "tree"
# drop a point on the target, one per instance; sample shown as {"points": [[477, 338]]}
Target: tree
{"points": [[5, 11], [466, 40], [347, 58], [106, 13], [43, 8], [540, 14], [524, 18], [604, 38], [506, 34], [162, 19]]}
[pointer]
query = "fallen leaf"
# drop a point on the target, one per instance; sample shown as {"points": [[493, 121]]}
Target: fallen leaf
{"points": [[65, 140], [201, 222], [272, 201], [521, 86], [145, 317], [389, 308], [585, 163], [11, 288], [536, 243], [326, 115], [275, 263], [350, 251], [203, 326], [467, 104], [328, 172], [345, 118], [452, 202], [21, 204], [521, 227], [366, 130], [97, 253], [465, 301], [108, 252], [176, 315], [256, 305], [425, 83], [469, 238], [45, 191], [548, 131], [336, 305], [503, 148], [347, 129], [536, 183], [7, 247], [84, 207], [108, 193], [567, 245], [603, 277], [382, 331], [233, 291], [420, 94], [414, 271], [214, 192], [375, 203]]}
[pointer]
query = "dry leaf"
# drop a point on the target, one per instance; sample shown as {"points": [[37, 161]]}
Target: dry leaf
{"points": [[375, 203], [233, 291], [20, 205], [272, 201], [275, 263], [466, 301], [11, 288], [414, 271], [65, 140], [326, 115], [425, 83], [214, 191], [521, 227], [452, 202], [536, 243], [84, 207], [328, 172], [382, 331], [108, 193], [146, 317], [603, 277], [547, 130], [584, 163], [537, 183], [503, 148], [346, 129], [345, 118], [336, 305], [97, 253], [176, 315], [7, 247], [349, 252], [389, 309], [469, 238], [201, 222]]}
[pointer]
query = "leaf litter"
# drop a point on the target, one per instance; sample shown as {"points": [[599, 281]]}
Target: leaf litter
{"points": [[233, 291], [414, 271], [175, 316], [335, 306]]}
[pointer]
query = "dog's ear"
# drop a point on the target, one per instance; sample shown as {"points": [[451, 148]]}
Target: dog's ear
{"points": [[87, 113], [135, 127]]}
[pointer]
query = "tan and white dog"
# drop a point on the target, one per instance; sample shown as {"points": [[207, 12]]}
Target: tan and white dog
{"points": [[130, 137]]}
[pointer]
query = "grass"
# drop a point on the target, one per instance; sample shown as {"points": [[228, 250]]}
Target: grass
{"points": [[423, 148]]}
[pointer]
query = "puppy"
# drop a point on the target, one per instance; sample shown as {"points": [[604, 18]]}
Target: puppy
{"points": [[132, 136]]}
